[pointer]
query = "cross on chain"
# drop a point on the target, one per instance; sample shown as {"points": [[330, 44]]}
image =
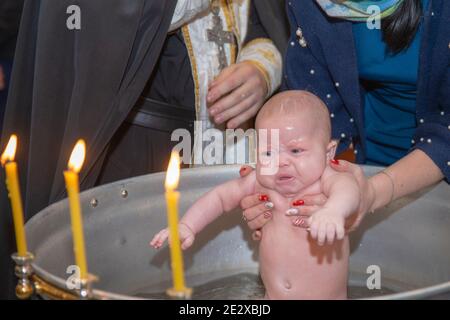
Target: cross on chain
{"points": [[220, 37]]}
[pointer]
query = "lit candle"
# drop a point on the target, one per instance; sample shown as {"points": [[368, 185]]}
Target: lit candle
{"points": [[72, 186], [173, 175], [12, 184]]}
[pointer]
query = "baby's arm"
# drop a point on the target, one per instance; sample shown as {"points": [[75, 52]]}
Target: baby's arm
{"points": [[209, 207], [343, 200]]}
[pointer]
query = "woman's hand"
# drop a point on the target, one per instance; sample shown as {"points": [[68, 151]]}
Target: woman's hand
{"points": [[257, 208], [237, 94]]}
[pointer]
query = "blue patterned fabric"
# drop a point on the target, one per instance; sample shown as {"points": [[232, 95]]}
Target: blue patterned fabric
{"points": [[328, 67]]}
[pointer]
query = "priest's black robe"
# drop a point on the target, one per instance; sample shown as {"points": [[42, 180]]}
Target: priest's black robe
{"points": [[141, 147], [70, 84]]}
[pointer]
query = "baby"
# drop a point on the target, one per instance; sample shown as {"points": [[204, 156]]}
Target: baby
{"points": [[294, 263]]}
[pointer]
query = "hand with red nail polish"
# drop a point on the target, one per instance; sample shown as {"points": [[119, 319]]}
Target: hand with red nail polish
{"points": [[256, 208], [245, 171], [268, 197], [335, 162], [298, 203]]}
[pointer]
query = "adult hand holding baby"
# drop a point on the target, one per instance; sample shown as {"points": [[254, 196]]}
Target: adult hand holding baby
{"points": [[255, 212], [257, 208]]}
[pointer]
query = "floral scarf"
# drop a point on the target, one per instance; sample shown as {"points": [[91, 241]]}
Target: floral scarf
{"points": [[359, 10]]}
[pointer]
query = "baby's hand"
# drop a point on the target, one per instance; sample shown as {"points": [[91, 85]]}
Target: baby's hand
{"points": [[326, 224], [186, 237]]}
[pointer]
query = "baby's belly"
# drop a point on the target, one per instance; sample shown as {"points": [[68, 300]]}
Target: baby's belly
{"points": [[293, 266]]}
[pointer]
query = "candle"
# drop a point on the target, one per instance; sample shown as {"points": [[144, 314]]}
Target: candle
{"points": [[72, 186], [173, 174], [12, 184]]}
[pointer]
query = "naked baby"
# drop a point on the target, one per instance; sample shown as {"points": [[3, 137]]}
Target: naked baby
{"points": [[295, 263]]}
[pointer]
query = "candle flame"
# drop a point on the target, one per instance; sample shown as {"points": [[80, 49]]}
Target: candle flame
{"points": [[10, 150], [173, 171], [77, 156]]}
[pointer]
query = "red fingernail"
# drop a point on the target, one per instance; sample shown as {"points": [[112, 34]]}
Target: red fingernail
{"points": [[263, 197], [242, 170], [298, 203], [334, 161]]}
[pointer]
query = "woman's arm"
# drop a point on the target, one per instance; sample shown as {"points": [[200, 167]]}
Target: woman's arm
{"points": [[408, 175]]}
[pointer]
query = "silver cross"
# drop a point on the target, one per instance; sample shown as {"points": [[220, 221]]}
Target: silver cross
{"points": [[219, 36]]}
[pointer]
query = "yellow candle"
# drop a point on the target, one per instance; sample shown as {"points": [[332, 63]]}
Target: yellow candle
{"points": [[175, 248], [72, 186], [12, 184], [173, 174]]}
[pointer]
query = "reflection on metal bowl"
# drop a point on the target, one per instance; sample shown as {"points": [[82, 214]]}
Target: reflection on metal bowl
{"points": [[409, 241]]}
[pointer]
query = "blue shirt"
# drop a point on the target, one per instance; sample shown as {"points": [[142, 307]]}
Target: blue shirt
{"points": [[390, 93]]}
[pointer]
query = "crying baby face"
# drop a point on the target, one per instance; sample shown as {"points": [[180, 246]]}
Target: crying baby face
{"points": [[293, 142]]}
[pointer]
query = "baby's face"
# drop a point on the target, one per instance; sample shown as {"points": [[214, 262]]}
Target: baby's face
{"points": [[296, 160]]}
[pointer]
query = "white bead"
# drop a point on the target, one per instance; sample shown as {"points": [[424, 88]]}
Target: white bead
{"points": [[448, 163], [442, 113], [413, 142], [355, 152], [448, 127], [352, 120], [432, 13], [337, 84], [421, 121], [292, 43], [343, 135], [429, 140], [332, 115], [312, 71], [290, 3], [328, 96], [422, 139], [299, 32]]}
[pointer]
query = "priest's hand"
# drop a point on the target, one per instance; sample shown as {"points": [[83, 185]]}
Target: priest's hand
{"points": [[2, 79], [237, 94]]}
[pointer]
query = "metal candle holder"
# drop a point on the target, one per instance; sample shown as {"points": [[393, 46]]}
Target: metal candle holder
{"points": [[24, 271], [29, 283]]}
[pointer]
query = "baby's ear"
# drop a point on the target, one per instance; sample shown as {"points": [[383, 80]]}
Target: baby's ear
{"points": [[331, 149]]}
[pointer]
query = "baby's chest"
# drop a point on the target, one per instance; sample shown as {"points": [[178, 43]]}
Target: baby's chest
{"points": [[283, 203]]}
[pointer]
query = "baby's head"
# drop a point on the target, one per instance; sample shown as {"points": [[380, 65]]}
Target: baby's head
{"points": [[299, 156]]}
